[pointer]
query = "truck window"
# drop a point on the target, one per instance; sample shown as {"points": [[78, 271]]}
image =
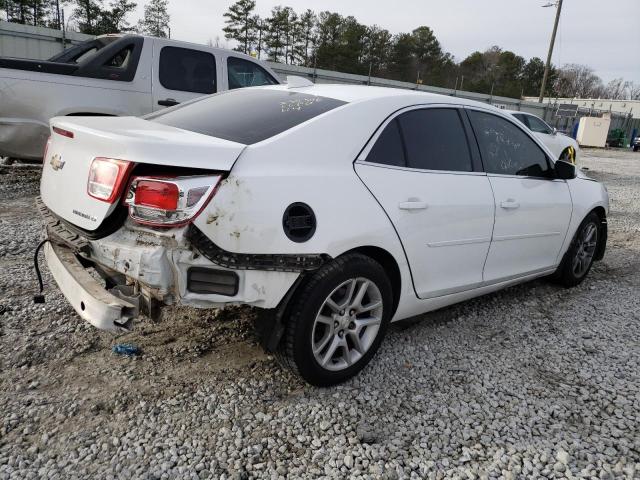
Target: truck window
{"points": [[120, 59], [243, 73], [187, 70]]}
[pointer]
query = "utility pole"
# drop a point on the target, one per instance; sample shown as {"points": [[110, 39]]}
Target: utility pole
{"points": [[58, 14], [547, 67]]}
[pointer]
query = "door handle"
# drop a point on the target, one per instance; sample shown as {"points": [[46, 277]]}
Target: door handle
{"points": [[168, 102], [412, 205], [509, 204]]}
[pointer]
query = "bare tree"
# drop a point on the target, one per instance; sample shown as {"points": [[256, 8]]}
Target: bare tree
{"points": [[578, 81], [616, 89]]}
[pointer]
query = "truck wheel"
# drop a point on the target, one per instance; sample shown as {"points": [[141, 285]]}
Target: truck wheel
{"points": [[578, 260], [337, 320]]}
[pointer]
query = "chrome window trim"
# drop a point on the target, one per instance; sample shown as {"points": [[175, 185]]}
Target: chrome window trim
{"points": [[529, 177], [419, 170]]}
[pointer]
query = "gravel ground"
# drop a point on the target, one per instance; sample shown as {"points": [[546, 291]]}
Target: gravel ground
{"points": [[535, 381]]}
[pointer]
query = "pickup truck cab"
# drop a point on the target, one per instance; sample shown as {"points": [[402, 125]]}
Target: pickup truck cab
{"points": [[112, 75]]}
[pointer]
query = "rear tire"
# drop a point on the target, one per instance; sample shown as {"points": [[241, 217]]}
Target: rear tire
{"points": [[578, 259], [337, 320]]}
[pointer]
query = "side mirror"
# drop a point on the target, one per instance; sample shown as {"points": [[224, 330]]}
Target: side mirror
{"points": [[555, 131], [565, 170]]}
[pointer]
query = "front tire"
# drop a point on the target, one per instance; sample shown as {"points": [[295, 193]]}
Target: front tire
{"points": [[578, 260], [337, 320]]}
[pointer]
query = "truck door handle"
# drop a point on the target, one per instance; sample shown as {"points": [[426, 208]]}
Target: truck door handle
{"points": [[509, 204], [412, 205], [168, 102]]}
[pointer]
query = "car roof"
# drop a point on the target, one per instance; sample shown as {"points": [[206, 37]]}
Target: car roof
{"points": [[359, 93], [519, 112]]}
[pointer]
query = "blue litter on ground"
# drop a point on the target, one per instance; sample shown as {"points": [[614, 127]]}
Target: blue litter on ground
{"points": [[126, 349]]}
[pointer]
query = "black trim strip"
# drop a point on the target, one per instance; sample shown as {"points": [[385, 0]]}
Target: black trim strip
{"points": [[58, 231], [251, 261]]}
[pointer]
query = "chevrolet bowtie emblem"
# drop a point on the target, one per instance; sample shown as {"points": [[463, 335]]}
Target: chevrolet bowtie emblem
{"points": [[56, 162]]}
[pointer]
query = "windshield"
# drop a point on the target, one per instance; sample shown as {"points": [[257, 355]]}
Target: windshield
{"points": [[246, 115]]}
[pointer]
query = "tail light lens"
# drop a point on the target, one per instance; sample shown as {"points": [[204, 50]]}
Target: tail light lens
{"points": [[107, 177], [63, 132], [169, 202]]}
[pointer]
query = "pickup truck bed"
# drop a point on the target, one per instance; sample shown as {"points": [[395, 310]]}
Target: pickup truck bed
{"points": [[42, 66]]}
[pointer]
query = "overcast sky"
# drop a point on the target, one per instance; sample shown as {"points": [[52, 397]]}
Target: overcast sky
{"points": [[604, 34]]}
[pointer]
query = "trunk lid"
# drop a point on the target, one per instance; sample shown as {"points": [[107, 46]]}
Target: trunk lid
{"points": [[67, 161]]}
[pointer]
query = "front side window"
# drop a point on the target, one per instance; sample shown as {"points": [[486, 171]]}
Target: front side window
{"points": [[388, 149], [435, 139], [537, 125], [506, 149], [243, 73], [187, 70]]}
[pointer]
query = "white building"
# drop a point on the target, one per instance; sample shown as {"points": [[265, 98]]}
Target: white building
{"points": [[603, 105]]}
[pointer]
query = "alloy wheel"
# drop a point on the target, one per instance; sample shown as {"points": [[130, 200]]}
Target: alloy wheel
{"points": [[585, 249], [347, 324]]}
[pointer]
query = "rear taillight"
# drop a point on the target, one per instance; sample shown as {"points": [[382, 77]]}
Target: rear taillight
{"points": [[107, 177], [169, 202], [63, 132]]}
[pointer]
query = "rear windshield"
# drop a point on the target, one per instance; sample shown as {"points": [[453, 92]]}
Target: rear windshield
{"points": [[246, 115]]}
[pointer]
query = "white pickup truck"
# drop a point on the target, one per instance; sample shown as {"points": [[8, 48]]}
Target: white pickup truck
{"points": [[115, 75]]}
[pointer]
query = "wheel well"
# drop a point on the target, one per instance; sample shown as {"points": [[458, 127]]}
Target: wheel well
{"points": [[390, 266], [602, 237], [600, 212]]}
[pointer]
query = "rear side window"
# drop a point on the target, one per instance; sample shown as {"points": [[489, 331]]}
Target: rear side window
{"points": [[243, 73], [506, 149], [246, 116], [187, 70], [388, 149], [435, 139]]}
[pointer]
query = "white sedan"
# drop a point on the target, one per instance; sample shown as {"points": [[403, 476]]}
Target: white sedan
{"points": [[334, 209], [562, 146]]}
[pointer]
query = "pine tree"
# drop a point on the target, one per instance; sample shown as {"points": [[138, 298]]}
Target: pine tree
{"points": [[29, 12], [88, 14], [276, 32], [241, 25], [306, 24], [114, 19], [156, 19]]}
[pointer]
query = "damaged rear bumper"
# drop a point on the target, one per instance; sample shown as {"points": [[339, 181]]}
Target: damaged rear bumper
{"points": [[144, 269], [85, 294]]}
